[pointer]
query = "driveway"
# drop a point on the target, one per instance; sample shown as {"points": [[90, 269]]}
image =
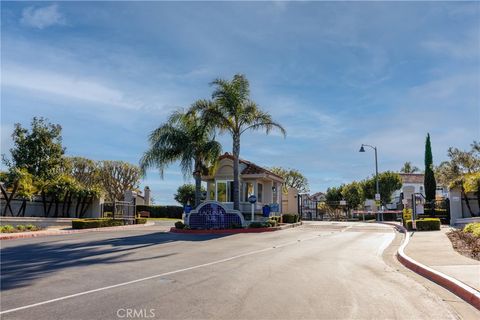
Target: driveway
{"points": [[320, 270]]}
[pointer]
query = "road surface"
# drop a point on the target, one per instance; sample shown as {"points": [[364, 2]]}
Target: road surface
{"points": [[317, 271]]}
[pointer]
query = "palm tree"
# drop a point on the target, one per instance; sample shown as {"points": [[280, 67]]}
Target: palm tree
{"points": [[409, 168], [185, 138], [232, 111]]}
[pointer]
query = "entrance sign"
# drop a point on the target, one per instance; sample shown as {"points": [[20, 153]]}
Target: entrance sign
{"points": [[213, 215]]}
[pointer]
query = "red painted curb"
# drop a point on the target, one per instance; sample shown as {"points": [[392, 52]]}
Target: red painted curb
{"points": [[467, 293], [34, 234], [224, 231]]}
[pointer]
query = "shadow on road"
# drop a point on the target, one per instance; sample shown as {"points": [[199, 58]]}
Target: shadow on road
{"points": [[22, 264]]}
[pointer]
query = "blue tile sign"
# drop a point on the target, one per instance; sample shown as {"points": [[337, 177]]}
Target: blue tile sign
{"points": [[212, 215]]}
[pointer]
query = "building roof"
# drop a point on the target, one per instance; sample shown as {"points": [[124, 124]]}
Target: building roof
{"points": [[251, 168], [412, 177]]}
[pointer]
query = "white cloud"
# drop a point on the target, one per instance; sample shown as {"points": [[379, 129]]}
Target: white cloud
{"points": [[42, 17]]}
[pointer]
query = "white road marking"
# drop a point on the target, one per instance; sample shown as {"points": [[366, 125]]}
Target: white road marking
{"points": [[156, 276]]}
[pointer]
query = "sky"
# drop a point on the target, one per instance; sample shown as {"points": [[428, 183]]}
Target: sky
{"points": [[334, 74]]}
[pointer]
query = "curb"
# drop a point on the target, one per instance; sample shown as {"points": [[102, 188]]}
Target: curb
{"points": [[34, 234], [234, 231], [457, 287]]}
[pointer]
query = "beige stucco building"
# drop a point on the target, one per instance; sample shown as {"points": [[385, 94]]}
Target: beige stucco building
{"points": [[264, 184]]}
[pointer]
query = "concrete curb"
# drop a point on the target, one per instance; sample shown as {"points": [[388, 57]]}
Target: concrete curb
{"points": [[457, 287], [44, 233], [234, 231]]}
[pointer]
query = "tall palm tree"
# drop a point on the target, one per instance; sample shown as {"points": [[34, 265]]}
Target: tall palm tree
{"points": [[232, 111], [185, 137], [409, 168]]}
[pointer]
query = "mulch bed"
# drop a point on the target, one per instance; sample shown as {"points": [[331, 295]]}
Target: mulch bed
{"points": [[466, 244]]}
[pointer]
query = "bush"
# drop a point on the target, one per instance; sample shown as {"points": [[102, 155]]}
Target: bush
{"points": [[271, 223], [31, 227], [473, 228], [179, 225], [7, 229], [174, 212], [95, 223], [140, 220], [277, 219], [256, 225], [426, 224], [290, 218], [108, 214], [20, 228]]}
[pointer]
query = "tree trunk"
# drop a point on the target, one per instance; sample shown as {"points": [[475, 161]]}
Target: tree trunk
{"points": [[198, 183], [77, 213], [236, 175]]}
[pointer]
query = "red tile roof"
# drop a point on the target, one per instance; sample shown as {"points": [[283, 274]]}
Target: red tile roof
{"points": [[251, 168]]}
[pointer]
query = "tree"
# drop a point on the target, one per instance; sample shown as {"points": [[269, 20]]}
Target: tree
{"points": [[429, 179], [20, 184], [117, 177], [409, 168], [461, 171], [292, 179], [388, 182], [353, 194], [186, 194], [38, 150], [186, 138], [234, 112]]}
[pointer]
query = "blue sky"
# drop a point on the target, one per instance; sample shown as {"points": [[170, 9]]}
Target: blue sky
{"points": [[336, 75]]}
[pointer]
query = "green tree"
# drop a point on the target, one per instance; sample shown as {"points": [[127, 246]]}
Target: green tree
{"points": [[461, 171], [333, 196], [38, 150], [388, 183], [117, 177], [429, 179], [20, 184], [353, 194], [234, 112], [186, 194], [409, 168], [186, 138], [292, 179]]}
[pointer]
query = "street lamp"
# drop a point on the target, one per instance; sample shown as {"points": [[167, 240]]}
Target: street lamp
{"points": [[362, 149]]}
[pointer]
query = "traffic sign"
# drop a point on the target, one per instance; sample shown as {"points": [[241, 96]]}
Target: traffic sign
{"points": [[377, 196], [252, 199]]}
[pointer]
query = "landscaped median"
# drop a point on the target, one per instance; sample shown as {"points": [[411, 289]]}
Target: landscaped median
{"points": [[87, 227], [254, 227]]}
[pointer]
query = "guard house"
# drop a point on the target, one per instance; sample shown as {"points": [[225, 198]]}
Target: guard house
{"points": [[264, 184]]}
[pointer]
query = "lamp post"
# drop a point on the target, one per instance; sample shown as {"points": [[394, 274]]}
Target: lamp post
{"points": [[362, 149]]}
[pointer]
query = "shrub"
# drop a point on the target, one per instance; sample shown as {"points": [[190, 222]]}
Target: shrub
{"points": [[108, 214], [21, 228], [32, 227], [95, 223], [277, 219], [235, 226], [174, 212], [256, 225], [140, 220], [271, 223], [290, 218], [473, 228], [426, 224], [179, 225], [7, 228]]}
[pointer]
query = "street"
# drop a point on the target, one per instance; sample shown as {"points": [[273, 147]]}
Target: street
{"points": [[317, 271]]}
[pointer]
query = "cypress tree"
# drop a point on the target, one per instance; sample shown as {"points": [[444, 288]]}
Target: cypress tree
{"points": [[429, 180]]}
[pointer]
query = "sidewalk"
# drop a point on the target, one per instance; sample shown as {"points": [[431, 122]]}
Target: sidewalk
{"points": [[434, 249]]}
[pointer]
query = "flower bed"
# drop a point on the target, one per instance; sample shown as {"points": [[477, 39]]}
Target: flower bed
{"points": [[18, 228], [467, 241]]}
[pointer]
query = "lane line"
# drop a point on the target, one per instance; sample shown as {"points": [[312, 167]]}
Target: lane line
{"points": [[157, 276]]}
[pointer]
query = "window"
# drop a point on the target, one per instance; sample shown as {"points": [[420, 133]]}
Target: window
{"points": [[248, 187], [224, 191], [260, 192]]}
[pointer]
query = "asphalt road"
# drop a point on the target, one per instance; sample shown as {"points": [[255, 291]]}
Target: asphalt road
{"points": [[318, 271]]}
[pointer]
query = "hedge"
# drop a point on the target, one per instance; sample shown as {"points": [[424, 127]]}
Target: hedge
{"points": [[290, 218], [473, 228], [426, 224], [174, 212], [140, 220], [95, 223]]}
